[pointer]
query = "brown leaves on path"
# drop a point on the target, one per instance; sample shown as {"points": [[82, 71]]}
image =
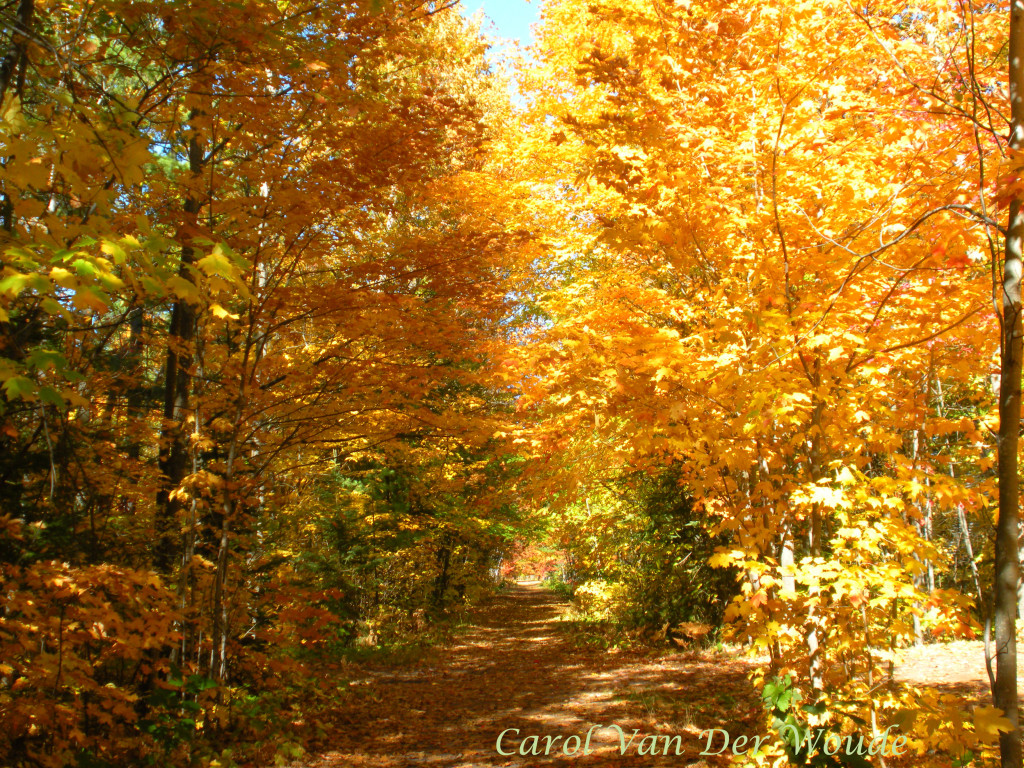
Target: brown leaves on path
{"points": [[517, 669]]}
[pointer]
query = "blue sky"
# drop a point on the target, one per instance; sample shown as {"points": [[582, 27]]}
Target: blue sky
{"points": [[512, 18]]}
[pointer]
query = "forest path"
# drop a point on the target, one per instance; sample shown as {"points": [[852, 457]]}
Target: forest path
{"points": [[516, 668]]}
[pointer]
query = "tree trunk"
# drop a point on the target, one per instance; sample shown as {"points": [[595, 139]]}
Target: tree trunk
{"points": [[787, 559], [1020, 582], [441, 581], [174, 458], [1007, 566], [13, 65], [815, 637]]}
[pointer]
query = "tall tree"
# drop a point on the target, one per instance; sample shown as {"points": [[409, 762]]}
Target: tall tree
{"points": [[775, 263], [243, 247], [1007, 546]]}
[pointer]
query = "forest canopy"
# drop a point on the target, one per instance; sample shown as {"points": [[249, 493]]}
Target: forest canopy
{"points": [[308, 327]]}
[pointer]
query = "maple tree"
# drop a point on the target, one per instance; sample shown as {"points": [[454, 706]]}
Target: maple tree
{"points": [[1008, 579], [240, 254], [778, 282]]}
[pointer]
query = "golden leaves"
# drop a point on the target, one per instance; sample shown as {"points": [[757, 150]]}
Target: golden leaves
{"points": [[759, 189]]}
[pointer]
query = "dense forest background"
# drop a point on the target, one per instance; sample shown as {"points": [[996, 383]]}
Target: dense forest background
{"points": [[307, 330]]}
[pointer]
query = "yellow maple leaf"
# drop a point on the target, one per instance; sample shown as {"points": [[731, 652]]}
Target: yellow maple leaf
{"points": [[989, 721]]}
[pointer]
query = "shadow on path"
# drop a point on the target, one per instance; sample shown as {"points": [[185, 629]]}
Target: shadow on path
{"points": [[516, 669]]}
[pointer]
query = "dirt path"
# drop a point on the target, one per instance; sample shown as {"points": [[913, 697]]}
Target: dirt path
{"points": [[956, 667], [516, 669]]}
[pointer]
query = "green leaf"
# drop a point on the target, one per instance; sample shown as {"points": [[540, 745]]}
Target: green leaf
{"points": [[20, 387], [84, 267], [784, 700], [54, 307], [15, 284], [52, 396], [44, 359]]}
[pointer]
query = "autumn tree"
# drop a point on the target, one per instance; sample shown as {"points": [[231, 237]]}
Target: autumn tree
{"points": [[243, 248], [778, 260], [1007, 546]]}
